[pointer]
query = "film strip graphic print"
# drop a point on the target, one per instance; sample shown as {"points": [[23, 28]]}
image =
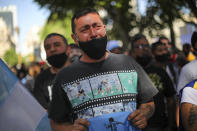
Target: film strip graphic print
{"points": [[97, 93], [124, 98]]}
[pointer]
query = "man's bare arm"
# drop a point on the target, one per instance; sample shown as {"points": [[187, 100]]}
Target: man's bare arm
{"points": [[148, 109], [140, 116], [189, 116]]}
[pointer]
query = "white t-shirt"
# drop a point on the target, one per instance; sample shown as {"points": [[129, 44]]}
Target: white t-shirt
{"points": [[189, 95], [188, 74]]}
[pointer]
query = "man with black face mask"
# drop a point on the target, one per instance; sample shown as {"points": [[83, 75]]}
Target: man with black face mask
{"points": [[55, 46], [163, 60], [102, 88], [141, 52]]}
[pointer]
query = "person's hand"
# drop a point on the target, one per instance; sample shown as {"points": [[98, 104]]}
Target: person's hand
{"points": [[138, 119], [80, 125]]}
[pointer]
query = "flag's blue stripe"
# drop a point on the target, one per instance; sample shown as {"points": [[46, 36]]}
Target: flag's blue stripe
{"points": [[44, 124], [20, 112], [7, 82]]}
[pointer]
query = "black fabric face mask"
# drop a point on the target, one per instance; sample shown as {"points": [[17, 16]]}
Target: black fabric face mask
{"points": [[94, 48], [144, 60], [58, 60], [165, 58]]}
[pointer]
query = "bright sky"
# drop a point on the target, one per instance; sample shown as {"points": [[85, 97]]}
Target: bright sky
{"points": [[28, 14], [142, 6]]}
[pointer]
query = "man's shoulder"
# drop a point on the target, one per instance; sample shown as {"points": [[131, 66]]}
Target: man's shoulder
{"points": [[189, 65], [192, 84], [44, 74], [68, 70]]}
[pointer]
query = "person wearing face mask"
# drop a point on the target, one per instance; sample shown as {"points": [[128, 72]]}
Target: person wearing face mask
{"points": [[55, 46], [163, 60], [126, 99], [160, 121], [140, 50]]}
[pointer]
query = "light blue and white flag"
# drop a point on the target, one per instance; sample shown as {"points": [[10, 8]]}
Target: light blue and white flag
{"points": [[19, 111]]}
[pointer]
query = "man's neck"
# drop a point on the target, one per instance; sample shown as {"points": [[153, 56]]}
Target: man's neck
{"points": [[87, 59], [54, 70]]}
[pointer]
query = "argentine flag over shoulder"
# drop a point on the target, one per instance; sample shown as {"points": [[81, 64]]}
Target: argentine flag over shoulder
{"points": [[19, 111]]}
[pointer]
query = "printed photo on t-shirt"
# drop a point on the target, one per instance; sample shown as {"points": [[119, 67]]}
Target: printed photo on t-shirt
{"points": [[105, 85], [129, 106], [79, 92], [107, 109], [85, 114], [128, 80], [103, 94]]}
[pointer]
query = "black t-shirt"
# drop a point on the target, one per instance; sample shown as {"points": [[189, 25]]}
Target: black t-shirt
{"points": [[43, 87], [164, 84], [92, 89]]}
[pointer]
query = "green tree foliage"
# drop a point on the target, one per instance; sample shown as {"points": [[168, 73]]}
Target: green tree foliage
{"points": [[123, 19], [117, 11], [62, 26], [162, 14], [11, 57]]}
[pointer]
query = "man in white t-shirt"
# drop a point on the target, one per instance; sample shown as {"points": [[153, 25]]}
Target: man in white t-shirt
{"points": [[188, 73], [188, 110]]}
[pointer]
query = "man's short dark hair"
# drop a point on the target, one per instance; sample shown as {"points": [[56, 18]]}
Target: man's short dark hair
{"points": [[194, 39], [155, 45], [81, 12], [163, 38], [56, 34], [136, 38]]}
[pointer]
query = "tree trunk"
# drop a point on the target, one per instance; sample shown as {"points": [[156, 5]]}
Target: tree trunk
{"points": [[123, 34], [120, 30], [172, 34]]}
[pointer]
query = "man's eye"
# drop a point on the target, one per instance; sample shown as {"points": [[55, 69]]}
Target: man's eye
{"points": [[84, 30], [57, 44], [47, 47]]}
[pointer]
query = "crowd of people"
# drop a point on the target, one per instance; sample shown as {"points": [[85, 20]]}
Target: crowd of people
{"points": [[96, 85]]}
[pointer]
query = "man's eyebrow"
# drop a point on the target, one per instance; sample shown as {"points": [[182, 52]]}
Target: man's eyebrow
{"points": [[56, 42], [85, 26]]}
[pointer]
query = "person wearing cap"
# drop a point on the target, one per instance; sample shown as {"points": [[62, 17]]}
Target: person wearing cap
{"points": [[114, 47], [74, 52]]}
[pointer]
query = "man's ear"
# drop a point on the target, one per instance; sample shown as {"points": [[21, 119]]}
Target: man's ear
{"points": [[74, 38], [68, 50], [104, 26]]}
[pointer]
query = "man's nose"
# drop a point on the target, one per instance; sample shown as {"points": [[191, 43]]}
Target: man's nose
{"points": [[52, 49], [92, 33]]}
